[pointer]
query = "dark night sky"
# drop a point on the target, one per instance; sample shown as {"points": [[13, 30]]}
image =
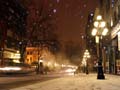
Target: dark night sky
{"points": [[72, 17]]}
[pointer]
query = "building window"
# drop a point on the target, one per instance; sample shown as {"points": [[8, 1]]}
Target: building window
{"points": [[27, 60], [101, 3], [113, 3], [30, 58], [115, 18], [27, 53], [30, 52], [119, 11], [107, 5]]}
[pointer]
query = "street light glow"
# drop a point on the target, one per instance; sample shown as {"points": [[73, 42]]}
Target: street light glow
{"points": [[97, 39], [105, 31], [99, 31], [99, 17], [99, 24], [96, 23], [94, 31], [85, 60], [86, 54], [102, 24]]}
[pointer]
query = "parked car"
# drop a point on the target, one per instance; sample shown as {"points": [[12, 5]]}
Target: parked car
{"points": [[16, 68]]}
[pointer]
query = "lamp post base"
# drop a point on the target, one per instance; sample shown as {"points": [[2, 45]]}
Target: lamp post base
{"points": [[100, 77], [100, 73]]}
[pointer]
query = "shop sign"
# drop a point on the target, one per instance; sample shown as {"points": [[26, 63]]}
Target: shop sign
{"points": [[8, 54], [119, 40], [115, 30]]}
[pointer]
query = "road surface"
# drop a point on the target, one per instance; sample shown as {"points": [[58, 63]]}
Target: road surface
{"points": [[12, 81], [77, 82]]}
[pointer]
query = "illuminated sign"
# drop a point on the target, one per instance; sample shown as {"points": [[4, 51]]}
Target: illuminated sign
{"points": [[115, 30], [119, 40], [11, 55]]}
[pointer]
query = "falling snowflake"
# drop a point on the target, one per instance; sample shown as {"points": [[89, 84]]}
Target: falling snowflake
{"points": [[84, 5], [11, 10], [58, 1], [91, 14], [81, 16], [54, 10]]}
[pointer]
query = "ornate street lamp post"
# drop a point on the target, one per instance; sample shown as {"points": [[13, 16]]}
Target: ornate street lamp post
{"points": [[99, 30], [85, 57]]}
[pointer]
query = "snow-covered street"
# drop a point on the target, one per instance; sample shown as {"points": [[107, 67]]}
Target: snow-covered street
{"points": [[77, 82]]}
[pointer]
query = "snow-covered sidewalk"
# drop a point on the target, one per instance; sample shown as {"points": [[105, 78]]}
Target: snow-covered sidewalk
{"points": [[77, 82]]}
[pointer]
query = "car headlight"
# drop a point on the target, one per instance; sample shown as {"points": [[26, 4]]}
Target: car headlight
{"points": [[70, 70], [10, 68]]}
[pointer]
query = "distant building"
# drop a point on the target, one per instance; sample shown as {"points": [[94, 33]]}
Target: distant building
{"points": [[115, 37], [37, 54], [32, 55]]}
